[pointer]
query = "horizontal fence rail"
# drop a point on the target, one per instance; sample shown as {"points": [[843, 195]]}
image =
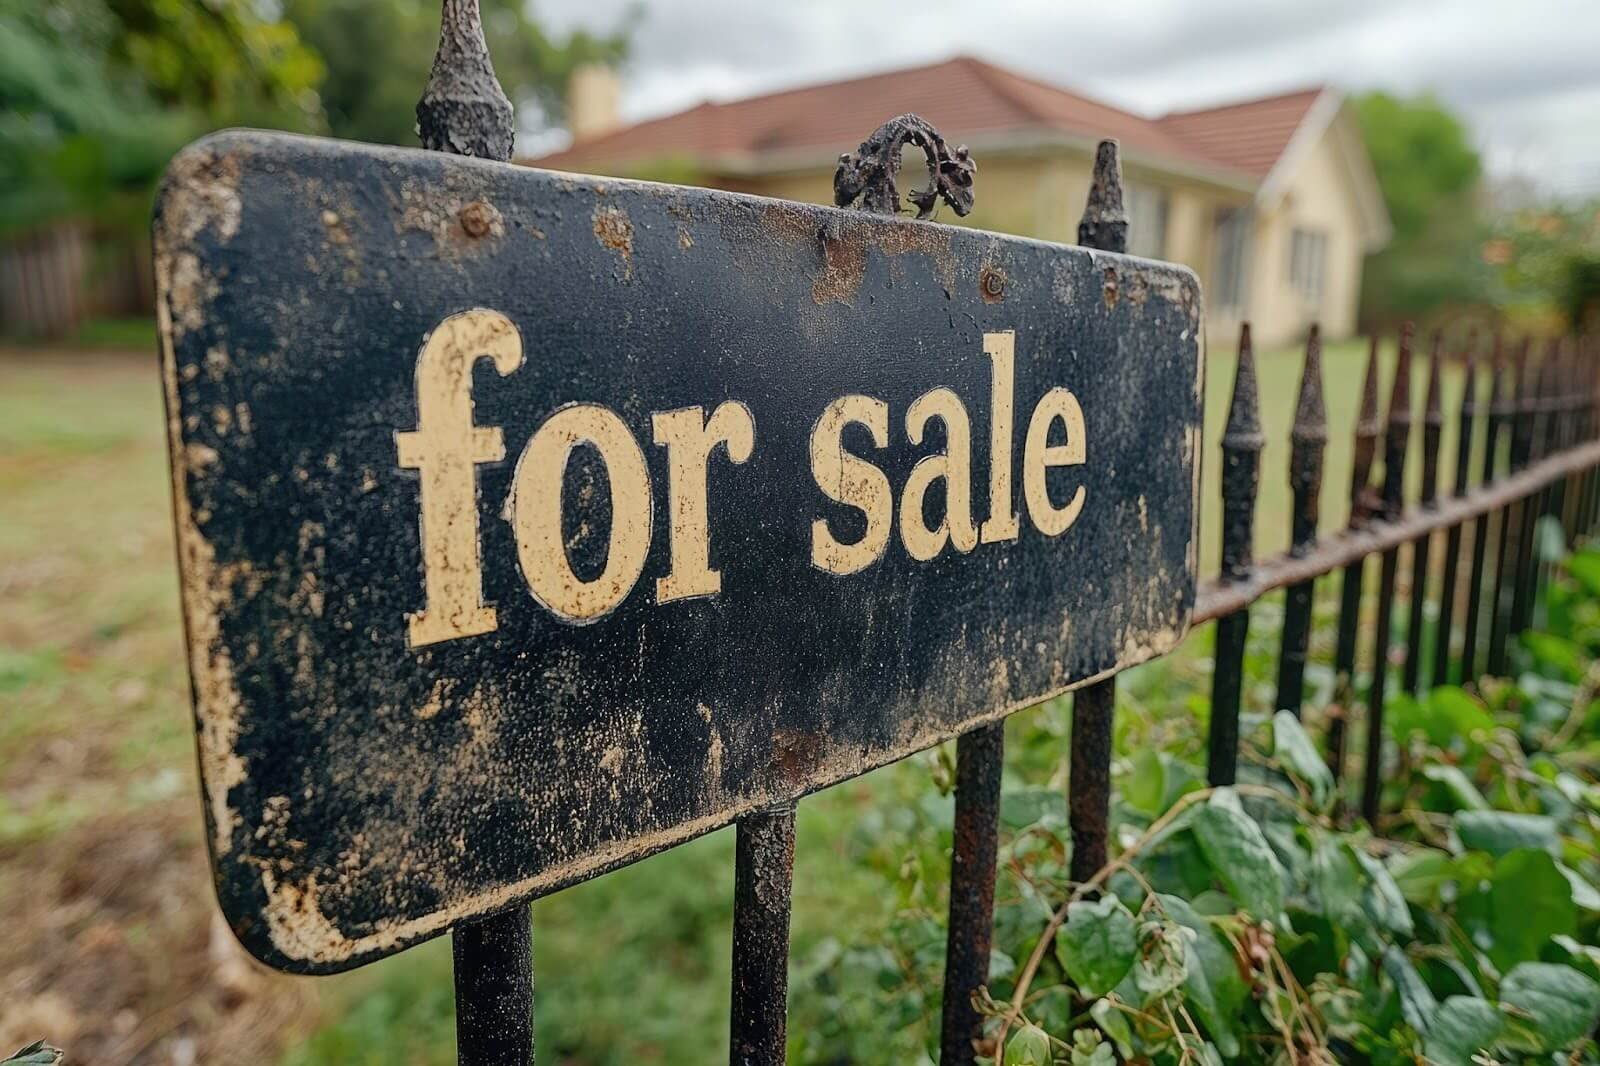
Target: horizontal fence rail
{"points": [[1529, 416]]}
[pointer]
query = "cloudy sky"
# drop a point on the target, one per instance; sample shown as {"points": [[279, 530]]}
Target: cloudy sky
{"points": [[1525, 73]]}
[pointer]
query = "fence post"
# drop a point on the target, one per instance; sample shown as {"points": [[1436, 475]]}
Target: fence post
{"points": [[1241, 475], [1307, 441], [1452, 541], [1517, 412], [464, 111], [1104, 227], [1394, 477], [980, 758], [1432, 430], [763, 878], [1344, 656], [1494, 422]]}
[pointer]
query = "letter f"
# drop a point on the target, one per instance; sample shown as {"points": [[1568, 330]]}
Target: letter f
{"points": [[446, 448]]}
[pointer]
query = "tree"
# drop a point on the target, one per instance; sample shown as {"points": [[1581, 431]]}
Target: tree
{"points": [[1429, 173], [378, 53], [95, 95]]}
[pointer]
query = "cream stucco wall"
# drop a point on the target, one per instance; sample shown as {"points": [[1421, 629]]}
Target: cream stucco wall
{"points": [[1319, 198]]}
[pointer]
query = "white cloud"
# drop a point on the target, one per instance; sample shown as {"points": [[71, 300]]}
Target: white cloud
{"points": [[1524, 74]]}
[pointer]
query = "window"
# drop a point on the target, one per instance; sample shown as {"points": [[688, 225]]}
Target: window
{"points": [[1308, 259], [1147, 219], [1230, 238]]}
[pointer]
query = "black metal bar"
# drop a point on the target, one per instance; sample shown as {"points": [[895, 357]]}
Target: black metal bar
{"points": [[980, 755], [1448, 591], [1105, 227], [1089, 779], [1307, 439], [1397, 436], [1432, 431], [1483, 529], [494, 990], [763, 878], [1241, 474], [1509, 551], [1344, 656], [1540, 417], [464, 111], [1216, 599]]}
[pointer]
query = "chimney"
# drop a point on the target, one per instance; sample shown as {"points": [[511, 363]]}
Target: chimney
{"points": [[593, 92]]}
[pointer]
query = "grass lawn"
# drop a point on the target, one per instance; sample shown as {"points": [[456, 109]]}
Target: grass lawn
{"points": [[101, 857]]}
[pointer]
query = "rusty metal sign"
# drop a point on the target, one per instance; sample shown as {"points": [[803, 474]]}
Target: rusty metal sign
{"points": [[530, 524]]}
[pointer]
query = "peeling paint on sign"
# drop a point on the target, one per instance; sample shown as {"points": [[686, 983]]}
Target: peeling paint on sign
{"points": [[531, 524]]}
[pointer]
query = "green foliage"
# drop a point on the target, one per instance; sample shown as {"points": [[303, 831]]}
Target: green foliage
{"points": [[95, 95], [1429, 172], [378, 54]]}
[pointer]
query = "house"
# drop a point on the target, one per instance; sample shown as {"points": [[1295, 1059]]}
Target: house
{"points": [[1273, 201]]}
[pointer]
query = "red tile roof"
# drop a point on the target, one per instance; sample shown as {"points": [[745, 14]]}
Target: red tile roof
{"points": [[1249, 136], [965, 98]]}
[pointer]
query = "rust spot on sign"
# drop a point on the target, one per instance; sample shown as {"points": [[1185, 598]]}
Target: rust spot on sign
{"points": [[613, 229]]}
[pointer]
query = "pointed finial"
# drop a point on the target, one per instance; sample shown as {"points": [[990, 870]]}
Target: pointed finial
{"points": [[1433, 414], [1310, 417], [1400, 390], [1243, 432], [1105, 222], [463, 110], [1367, 424]]}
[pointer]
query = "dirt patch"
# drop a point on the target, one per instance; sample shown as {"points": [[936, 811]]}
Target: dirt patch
{"points": [[115, 950]]}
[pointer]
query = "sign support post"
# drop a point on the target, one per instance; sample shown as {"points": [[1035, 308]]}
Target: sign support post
{"points": [[464, 111]]}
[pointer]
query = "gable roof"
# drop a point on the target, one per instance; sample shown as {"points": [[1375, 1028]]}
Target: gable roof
{"points": [[969, 99]]}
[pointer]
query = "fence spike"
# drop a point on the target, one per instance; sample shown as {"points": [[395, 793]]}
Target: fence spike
{"points": [[1449, 590], [1397, 436], [1104, 227], [1421, 548], [1307, 440], [1344, 656], [1241, 467], [464, 110], [1487, 526], [1508, 553], [1105, 221]]}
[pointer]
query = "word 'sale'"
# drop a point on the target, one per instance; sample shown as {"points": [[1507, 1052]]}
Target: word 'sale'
{"points": [[447, 446]]}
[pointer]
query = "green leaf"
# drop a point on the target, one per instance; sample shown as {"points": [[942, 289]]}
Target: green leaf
{"points": [[1382, 898], [1420, 874], [1212, 984], [1295, 752], [1558, 1003], [1463, 1026], [1239, 855], [1583, 893], [1098, 944], [1145, 784], [1446, 717], [1458, 784], [1336, 879], [1555, 653], [1529, 901], [1417, 1004], [1028, 1046], [1585, 567], [1498, 832], [1550, 539], [1114, 1024]]}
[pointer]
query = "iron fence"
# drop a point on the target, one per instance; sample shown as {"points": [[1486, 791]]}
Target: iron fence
{"points": [[1540, 456]]}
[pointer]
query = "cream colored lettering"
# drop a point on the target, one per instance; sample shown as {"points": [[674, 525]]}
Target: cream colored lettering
{"points": [[689, 439], [445, 449], [536, 512], [953, 465], [1039, 456], [1001, 525], [851, 480]]}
